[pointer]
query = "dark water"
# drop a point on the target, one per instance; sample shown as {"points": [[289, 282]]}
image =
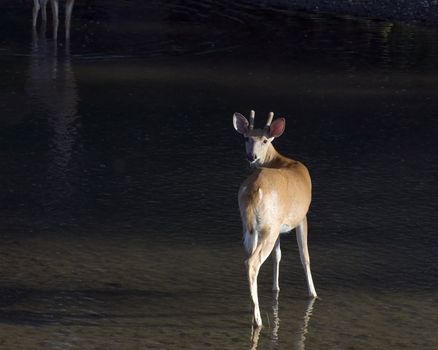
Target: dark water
{"points": [[120, 167]]}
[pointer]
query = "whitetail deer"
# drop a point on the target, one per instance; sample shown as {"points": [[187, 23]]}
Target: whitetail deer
{"points": [[42, 4], [274, 199]]}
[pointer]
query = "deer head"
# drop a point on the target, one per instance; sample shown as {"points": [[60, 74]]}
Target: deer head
{"points": [[258, 141]]}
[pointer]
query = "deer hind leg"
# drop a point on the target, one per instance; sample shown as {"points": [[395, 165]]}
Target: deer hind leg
{"points": [[276, 256], [68, 11], [253, 264], [304, 255], [35, 11]]}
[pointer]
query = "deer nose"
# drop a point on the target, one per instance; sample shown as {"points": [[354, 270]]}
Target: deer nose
{"points": [[251, 157]]}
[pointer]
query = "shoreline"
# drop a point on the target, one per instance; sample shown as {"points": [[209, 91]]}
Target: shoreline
{"points": [[422, 12]]}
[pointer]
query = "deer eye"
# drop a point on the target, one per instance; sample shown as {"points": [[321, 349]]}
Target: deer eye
{"points": [[265, 141]]}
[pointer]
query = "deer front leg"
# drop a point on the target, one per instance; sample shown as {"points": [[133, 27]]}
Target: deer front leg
{"points": [[304, 255], [253, 264], [44, 10], [276, 257], [68, 11]]}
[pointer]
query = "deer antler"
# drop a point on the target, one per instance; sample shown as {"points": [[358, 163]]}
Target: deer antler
{"points": [[270, 117], [251, 120]]}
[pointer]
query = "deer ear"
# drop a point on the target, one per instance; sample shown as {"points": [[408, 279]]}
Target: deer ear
{"points": [[240, 123], [277, 127]]}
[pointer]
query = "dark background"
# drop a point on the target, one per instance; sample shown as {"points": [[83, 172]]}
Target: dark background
{"points": [[119, 144]]}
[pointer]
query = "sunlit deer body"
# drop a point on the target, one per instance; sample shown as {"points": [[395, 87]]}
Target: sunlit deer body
{"points": [[274, 199]]}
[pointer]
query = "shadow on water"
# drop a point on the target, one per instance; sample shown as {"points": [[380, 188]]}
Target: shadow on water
{"points": [[69, 307]]}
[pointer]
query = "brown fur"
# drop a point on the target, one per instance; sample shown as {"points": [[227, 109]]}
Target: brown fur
{"points": [[275, 198], [289, 179]]}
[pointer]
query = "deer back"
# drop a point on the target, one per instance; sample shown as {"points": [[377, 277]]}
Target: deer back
{"points": [[275, 197]]}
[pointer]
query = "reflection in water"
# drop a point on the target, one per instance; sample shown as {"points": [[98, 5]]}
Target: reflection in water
{"points": [[299, 344], [305, 329], [42, 4], [276, 320], [363, 103], [52, 85]]}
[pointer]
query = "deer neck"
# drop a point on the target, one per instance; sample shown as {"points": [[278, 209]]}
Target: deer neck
{"points": [[273, 159]]}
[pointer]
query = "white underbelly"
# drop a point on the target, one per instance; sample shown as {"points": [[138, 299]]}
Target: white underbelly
{"points": [[285, 228]]}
